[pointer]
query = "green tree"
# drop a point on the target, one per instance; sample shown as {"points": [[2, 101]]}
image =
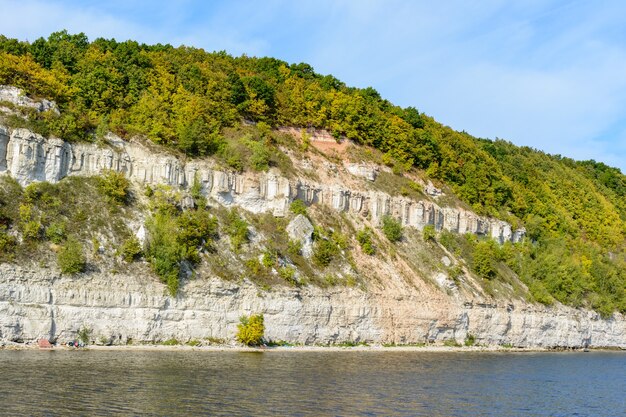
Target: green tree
{"points": [[392, 228], [324, 251], [115, 186], [484, 259]]}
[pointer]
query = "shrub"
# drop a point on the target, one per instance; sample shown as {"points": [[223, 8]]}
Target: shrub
{"points": [[294, 248], [235, 162], [269, 258], [330, 280], [250, 330], [339, 239], [254, 266], [415, 187], [298, 207], [84, 335], [130, 249], [56, 232], [470, 340], [429, 233], [288, 274], [323, 252], [166, 263], [392, 228], [306, 140], [540, 293], [260, 158], [364, 237], [196, 189], [197, 228], [175, 238], [30, 224], [451, 343], [70, 258], [7, 243], [237, 229], [447, 239], [31, 230], [115, 186]]}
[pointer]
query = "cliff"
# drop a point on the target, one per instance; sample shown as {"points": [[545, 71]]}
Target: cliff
{"points": [[29, 157], [121, 309], [406, 295]]}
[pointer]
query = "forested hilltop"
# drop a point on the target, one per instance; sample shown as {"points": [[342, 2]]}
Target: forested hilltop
{"points": [[186, 99]]}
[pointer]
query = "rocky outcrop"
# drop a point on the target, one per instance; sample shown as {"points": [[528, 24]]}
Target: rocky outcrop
{"points": [[116, 309], [366, 171], [300, 229], [29, 157], [16, 97]]}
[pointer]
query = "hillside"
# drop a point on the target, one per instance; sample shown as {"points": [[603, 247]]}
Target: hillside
{"points": [[224, 158]]}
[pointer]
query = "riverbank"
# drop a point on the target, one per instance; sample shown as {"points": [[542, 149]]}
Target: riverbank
{"points": [[269, 349]]}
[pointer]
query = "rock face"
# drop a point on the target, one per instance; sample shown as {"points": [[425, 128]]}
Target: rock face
{"points": [[301, 229], [36, 304], [17, 97], [363, 170], [29, 157]]}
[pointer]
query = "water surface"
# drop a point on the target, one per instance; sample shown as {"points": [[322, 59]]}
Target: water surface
{"points": [[182, 383]]}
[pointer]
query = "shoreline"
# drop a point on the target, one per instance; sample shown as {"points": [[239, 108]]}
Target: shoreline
{"points": [[303, 349]]}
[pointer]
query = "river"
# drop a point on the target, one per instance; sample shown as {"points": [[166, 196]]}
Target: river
{"points": [[370, 383]]}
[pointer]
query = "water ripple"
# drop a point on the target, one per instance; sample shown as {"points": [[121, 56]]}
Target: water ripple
{"points": [[149, 383]]}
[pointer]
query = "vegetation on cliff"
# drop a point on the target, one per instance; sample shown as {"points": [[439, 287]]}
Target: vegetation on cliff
{"points": [[190, 100]]}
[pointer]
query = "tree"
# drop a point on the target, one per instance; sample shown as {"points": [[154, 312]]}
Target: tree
{"points": [[250, 330], [484, 259], [115, 186], [392, 228]]}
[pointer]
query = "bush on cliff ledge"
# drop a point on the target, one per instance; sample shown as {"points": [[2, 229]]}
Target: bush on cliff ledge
{"points": [[70, 258]]}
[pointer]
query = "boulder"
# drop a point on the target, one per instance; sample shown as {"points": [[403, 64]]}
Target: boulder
{"points": [[301, 229]]}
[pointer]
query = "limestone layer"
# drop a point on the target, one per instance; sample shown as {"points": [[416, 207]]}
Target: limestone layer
{"points": [[117, 309], [29, 157]]}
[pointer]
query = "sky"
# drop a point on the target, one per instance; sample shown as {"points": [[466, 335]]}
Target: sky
{"points": [[546, 74]]}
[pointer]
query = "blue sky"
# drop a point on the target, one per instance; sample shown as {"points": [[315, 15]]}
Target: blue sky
{"points": [[546, 74]]}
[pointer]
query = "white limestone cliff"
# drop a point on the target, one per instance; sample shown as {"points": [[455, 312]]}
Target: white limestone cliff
{"points": [[116, 309], [29, 157]]}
